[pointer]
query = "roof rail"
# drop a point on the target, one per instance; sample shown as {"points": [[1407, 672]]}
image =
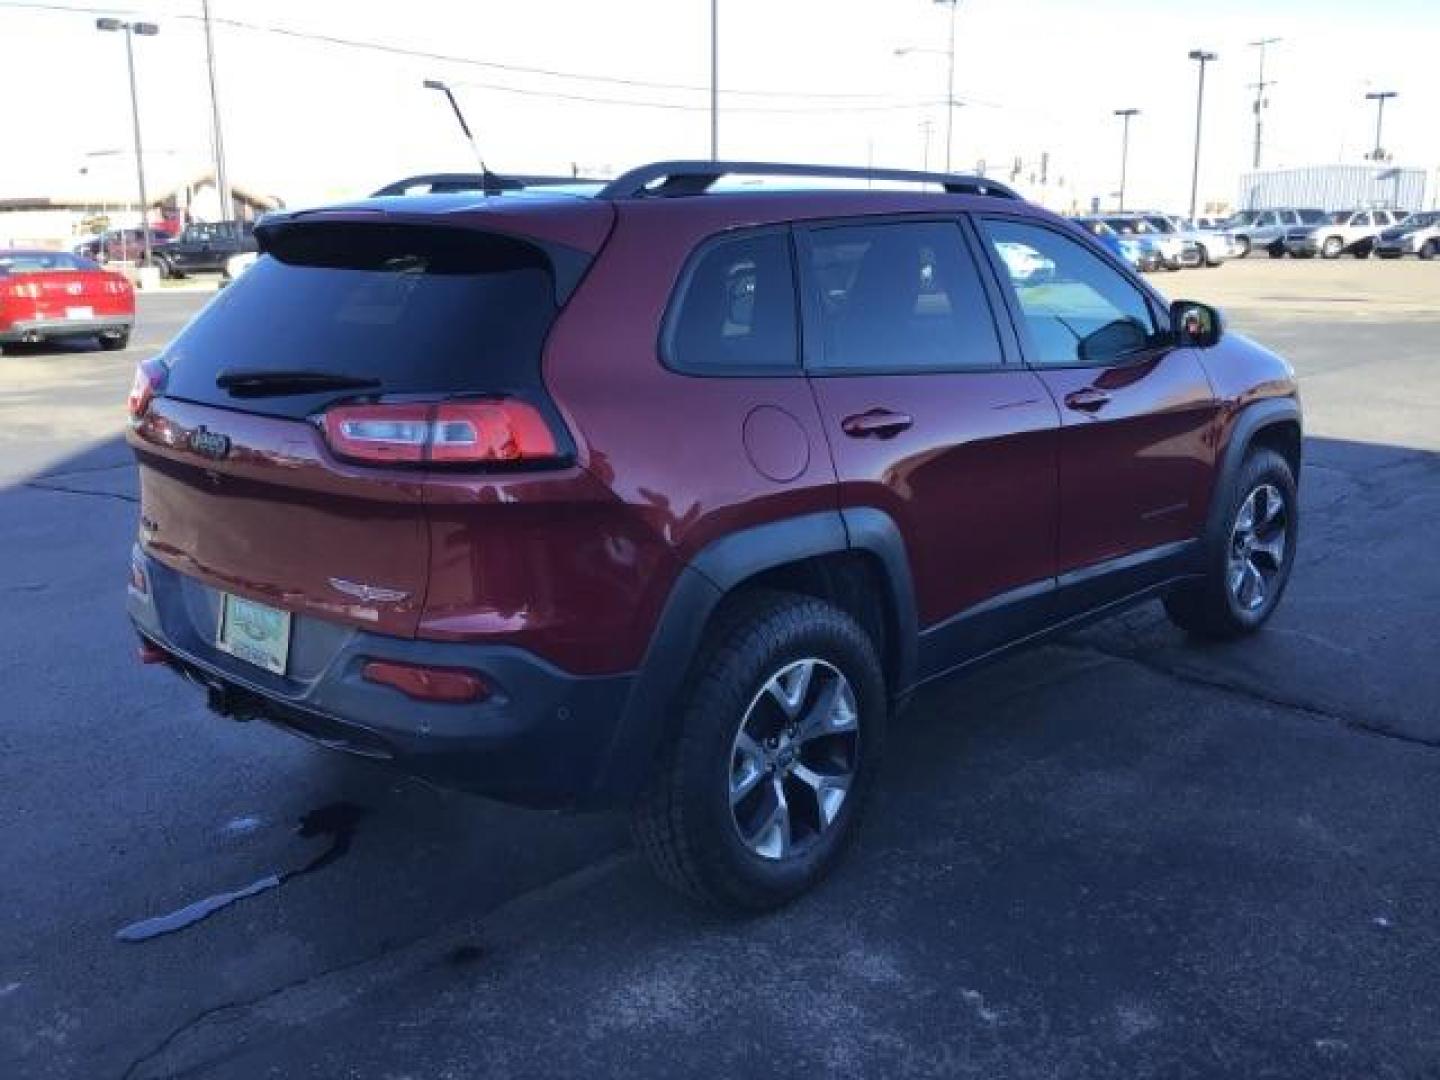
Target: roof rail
{"points": [[488, 182], [697, 177]]}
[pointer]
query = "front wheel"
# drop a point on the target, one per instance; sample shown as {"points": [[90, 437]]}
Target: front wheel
{"points": [[1275, 251], [1332, 247], [1249, 552], [761, 786], [1242, 246], [1430, 249]]}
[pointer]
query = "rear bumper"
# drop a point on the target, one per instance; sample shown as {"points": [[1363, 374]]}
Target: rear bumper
{"points": [[543, 737], [42, 329]]}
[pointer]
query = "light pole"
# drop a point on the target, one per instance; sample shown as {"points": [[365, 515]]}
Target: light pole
{"points": [[1380, 97], [714, 80], [436, 84], [130, 29], [1260, 101], [1125, 115], [222, 183], [1204, 58]]}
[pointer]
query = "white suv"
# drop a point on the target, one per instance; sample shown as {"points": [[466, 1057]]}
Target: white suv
{"points": [[1347, 230]]}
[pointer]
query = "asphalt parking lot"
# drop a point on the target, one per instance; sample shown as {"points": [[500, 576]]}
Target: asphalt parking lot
{"points": [[1122, 854]]}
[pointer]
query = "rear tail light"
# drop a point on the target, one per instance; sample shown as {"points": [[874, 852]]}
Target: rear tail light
{"points": [[451, 685], [493, 431], [116, 285], [149, 380]]}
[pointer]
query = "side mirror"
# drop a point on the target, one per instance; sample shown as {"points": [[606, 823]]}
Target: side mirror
{"points": [[1196, 325]]}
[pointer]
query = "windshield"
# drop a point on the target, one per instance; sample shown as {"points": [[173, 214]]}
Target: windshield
{"points": [[40, 262]]}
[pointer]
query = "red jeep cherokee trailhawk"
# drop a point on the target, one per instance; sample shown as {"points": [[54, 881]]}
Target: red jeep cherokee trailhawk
{"points": [[664, 493]]}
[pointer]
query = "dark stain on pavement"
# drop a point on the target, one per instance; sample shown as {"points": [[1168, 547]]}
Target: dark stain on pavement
{"points": [[337, 820]]}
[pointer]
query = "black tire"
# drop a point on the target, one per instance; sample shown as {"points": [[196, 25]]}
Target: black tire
{"points": [[1332, 248], [1209, 607], [115, 342], [683, 822], [1361, 252], [1275, 251], [1430, 249]]}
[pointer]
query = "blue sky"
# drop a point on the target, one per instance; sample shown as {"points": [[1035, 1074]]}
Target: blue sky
{"points": [[312, 121]]}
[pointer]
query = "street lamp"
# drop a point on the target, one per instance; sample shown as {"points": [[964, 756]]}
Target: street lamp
{"points": [[130, 29], [1380, 97], [1125, 115], [1204, 58], [436, 84]]}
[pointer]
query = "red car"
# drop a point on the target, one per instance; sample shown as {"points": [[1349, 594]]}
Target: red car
{"points": [[665, 495], [52, 295]]}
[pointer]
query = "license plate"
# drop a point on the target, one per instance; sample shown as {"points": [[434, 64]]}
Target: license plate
{"points": [[79, 312], [255, 633]]}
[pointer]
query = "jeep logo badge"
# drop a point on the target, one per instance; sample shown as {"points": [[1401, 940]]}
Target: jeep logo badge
{"points": [[210, 444]]}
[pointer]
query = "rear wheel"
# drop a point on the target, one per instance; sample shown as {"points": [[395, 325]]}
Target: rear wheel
{"points": [[1332, 247], [116, 341], [1275, 251], [1249, 551], [1430, 249], [761, 787]]}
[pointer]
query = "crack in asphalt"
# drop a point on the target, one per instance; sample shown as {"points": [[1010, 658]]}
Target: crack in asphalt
{"points": [[199, 1018], [38, 486], [1314, 712]]}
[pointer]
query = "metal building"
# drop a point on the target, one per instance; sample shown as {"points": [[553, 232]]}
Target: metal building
{"points": [[1333, 187]]}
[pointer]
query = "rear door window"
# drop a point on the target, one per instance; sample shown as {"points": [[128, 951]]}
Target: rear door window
{"points": [[418, 310], [901, 296], [735, 310]]}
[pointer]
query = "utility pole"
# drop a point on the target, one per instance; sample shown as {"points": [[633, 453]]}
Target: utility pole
{"points": [[130, 29], [1204, 58], [925, 128], [222, 183], [1380, 97], [950, 84], [1125, 115], [1261, 103], [714, 80]]}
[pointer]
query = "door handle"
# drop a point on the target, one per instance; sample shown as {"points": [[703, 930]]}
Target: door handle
{"points": [[875, 424], [1087, 400]]}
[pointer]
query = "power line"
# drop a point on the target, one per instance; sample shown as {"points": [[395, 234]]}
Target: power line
{"points": [[447, 58]]}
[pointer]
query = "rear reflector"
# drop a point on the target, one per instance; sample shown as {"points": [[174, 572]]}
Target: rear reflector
{"points": [[491, 431], [453, 685]]}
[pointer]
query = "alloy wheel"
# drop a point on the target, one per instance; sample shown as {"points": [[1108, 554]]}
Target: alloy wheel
{"points": [[794, 759], [1257, 547]]}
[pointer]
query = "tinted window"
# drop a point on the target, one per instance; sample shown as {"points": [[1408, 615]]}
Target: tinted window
{"points": [[420, 310], [737, 309], [898, 296], [1077, 307]]}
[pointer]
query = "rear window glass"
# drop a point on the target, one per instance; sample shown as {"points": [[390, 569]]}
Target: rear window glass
{"points": [[419, 310], [37, 262]]}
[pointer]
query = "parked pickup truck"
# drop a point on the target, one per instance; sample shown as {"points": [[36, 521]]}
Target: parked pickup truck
{"points": [[1352, 231], [204, 247]]}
